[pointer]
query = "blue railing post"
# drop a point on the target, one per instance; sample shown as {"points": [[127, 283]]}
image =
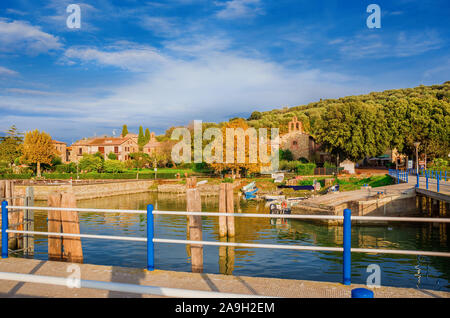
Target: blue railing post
{"points": [[437, 182], [426, 177], [362, 293], [445, 176], [150, 235], [4, 228], [347, 257], [417, 177]]}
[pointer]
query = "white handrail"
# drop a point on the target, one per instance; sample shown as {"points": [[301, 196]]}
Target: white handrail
{"points": [[104, 237], [121, 287], [254, 215], [248, 245]]}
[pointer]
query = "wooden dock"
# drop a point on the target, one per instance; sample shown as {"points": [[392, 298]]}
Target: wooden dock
{"points": [[193, 281]]}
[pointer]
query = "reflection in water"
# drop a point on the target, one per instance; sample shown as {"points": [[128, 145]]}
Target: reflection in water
{"points": [[397, 270]]}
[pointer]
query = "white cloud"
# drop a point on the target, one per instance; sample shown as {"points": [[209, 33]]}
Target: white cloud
{"points": [[162, 26], [21, 35], [207, 81], [391, 45], [239, 8], [7, 71], [134, 58], [31, 92]]}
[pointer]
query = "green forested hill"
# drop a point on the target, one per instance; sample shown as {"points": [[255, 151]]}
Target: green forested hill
{"points": [[356, 126]]}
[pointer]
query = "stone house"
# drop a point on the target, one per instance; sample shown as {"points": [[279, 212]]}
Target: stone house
{"points": [[61, 148], [152, 145], [121, 147]]}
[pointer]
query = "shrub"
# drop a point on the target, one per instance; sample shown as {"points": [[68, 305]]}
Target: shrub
{"points": [[306, 169], [112, 156], [91, 163], [289, 165], [113, 166], [329, 165], [303, 160], [286, 155]]}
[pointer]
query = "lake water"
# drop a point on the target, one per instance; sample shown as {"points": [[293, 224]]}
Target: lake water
{"points": [[396, 270]]}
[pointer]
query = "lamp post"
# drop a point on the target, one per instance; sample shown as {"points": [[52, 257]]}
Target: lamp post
{"points": [[417, 144]]}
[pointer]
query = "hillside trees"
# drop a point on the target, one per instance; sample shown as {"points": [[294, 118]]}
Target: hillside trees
{"points": [[353, 130], [10, 145]]}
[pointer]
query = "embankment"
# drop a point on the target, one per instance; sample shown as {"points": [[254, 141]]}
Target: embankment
{"points": [[90, 191]]}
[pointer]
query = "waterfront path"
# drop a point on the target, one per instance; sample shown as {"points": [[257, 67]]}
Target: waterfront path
{"points": [[334, 203], [193, 281]]}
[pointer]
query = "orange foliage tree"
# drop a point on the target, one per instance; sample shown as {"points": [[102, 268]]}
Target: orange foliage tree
{"points": [[37, 148]]}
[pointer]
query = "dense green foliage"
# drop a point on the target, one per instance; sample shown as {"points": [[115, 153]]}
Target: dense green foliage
{"points": [[286, 155], [10, 145], [113, 166], [366, 125], [90, 163], [112, 156]]}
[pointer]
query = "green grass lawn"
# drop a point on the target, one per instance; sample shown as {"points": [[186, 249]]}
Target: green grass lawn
{"points": [[162, 170], [373, 181]]}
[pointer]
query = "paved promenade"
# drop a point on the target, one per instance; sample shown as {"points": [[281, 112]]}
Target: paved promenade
{"points": [[192, 281]]}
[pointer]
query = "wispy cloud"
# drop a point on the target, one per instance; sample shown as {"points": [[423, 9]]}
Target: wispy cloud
{"points": [[7, 71], [23, 91], [124, 55], [21, 35], [239, 8], [402, 44]]}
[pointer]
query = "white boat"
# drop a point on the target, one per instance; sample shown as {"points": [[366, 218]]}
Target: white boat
{"points": [[274, 197], [248, 186]]}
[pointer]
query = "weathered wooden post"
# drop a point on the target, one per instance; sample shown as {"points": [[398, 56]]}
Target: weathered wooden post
{"points": [[194, 204], [230, 209], [73, 251], [222, 209], [226, 205], [54, 225], [28, 240]]}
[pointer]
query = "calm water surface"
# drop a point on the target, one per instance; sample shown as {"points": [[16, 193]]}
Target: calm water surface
{"points": [[396, 270]]}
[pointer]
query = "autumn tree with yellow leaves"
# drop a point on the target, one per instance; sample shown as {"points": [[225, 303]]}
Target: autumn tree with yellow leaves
{"points": [[38, 148], [246, 158]]}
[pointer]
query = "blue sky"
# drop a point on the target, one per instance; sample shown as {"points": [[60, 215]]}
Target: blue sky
{"points": [[159, 64]]}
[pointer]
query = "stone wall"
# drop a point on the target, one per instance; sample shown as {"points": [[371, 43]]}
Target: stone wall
{"points": [[205, 189], [90, 191]]}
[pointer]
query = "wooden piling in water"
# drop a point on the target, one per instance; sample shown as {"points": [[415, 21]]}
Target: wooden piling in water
{"points": [[194, 204], [226, 205], [223, 209], [230, 209], [54, 225], [73, 251]]}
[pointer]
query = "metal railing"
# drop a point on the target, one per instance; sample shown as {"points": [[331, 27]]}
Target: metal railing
{"points": [[438, 178], [121, 287], [346, 249]]}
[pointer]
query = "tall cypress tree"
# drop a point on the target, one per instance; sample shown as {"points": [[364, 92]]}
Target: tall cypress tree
{"points": [[124, 130], [141, 138], [147, 135]]}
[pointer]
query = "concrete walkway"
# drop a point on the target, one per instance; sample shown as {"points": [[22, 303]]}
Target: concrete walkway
{"points": [[192, 281]]}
